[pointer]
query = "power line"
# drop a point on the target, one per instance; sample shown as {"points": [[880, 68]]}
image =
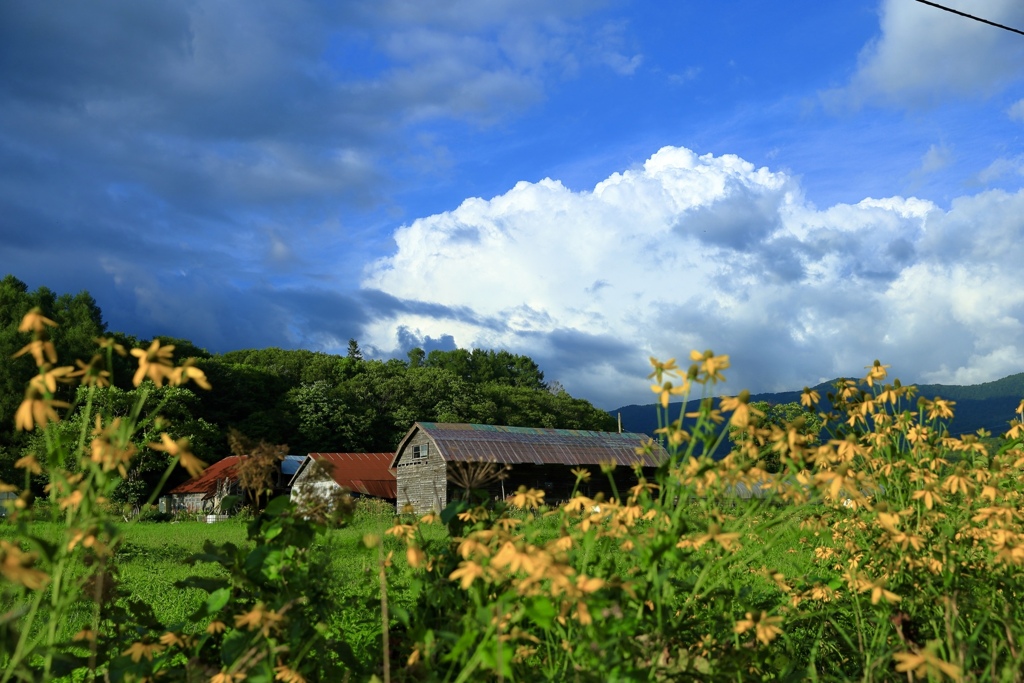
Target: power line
{"points": [[971, 16]]}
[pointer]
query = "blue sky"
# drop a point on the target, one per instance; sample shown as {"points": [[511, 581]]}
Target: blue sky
{"points": [[806, 186]]}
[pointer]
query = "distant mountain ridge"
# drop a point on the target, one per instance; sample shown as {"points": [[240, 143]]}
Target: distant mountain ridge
{"points": [[990, 405]]}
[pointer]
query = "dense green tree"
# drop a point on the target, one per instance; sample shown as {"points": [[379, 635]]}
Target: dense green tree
{"points": [[79, 323], [479, 366], [168, 408], [354, 352]]}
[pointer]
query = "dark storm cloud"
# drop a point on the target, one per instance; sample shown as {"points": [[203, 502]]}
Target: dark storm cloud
{"points": [[208, 169]]}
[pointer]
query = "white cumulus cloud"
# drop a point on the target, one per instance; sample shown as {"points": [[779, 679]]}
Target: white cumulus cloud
{"points": [[691, 251], [925, 55]]}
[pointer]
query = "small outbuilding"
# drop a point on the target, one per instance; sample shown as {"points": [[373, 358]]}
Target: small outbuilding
{"points": [[364, 474], [204, 495], [433, 455]]}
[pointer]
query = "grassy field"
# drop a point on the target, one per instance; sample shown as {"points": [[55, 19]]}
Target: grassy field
{"points": [[154, 558]]}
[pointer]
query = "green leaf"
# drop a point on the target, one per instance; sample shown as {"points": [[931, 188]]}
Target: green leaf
{"points": [[542, 611], [217, 600], [277, 506]]}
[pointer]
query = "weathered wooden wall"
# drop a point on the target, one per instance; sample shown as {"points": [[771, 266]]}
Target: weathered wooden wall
{"points": [[422, 484]]}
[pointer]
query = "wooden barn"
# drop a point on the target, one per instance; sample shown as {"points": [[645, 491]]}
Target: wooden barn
{"points": [[364, 474], [204, 495], [432, 455]]}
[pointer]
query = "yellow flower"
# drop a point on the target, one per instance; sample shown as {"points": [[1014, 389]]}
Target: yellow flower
{"points": [[581, 473], [172, 639], [940, 408], [139, 650], [110, 447], [926, 664], [92, 373], [528, 498], [42, 350], [29, 462], [46, 380], [180, 449], [877, 588], [668, 367], [155, 363], [35, 322], [259, 617], [415, 556], [216, 627], [709, 365], [876, 372], [283, 673], [109, 343], [406, 531], [741, 411], [766, 628], [809, 398], [188, 371], [17, 567], [467, 573], [228, 677], [36, 410], [667, 390]]}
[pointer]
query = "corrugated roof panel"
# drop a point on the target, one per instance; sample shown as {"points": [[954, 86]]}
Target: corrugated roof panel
{"points": [[518, 445], [207, 481], [367, 473]]}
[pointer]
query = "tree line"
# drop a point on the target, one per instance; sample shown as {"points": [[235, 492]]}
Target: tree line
{"points": [[311, 401]]}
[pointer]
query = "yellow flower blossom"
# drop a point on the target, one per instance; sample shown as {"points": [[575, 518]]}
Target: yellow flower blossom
{"points": [[29, 462], [139, 650], [109, 343], [741, 410], [259, 617], [766, 628], [180, 449], [528, 498], [92, 373], [154, 363], [667, 390], [42, 351], [35, 322], [415, 556], [287, 675], [17, 567], [660, 369], [467, 573], [582, 474], [188, 371], [876, 372], [36, 411], [809, 397], [926, 664], [709, 366]]}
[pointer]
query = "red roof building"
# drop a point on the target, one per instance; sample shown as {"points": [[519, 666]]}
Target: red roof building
{"points": [[368, 474], [205, 493]]}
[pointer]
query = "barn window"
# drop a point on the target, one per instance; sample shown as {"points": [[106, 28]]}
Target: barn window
{"points": [[419, 452]]}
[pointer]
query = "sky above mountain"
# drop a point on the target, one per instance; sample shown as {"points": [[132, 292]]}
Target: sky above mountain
{"points": [[805, 186]]}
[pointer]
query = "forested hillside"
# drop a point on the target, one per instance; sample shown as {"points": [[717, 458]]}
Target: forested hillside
{"points": [[307, 400]]}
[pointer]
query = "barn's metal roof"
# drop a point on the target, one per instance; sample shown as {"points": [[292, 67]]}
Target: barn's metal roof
{"points": [[534, 445], [207, 481], [366, 473], [291, 464]]}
